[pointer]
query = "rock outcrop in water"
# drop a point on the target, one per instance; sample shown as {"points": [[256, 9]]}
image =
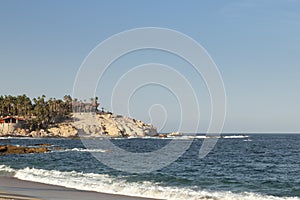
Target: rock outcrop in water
{"points": [[8, 149], [93, 125]]}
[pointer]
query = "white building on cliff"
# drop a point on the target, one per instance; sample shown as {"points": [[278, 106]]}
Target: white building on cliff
{"points": [[9, 124]]}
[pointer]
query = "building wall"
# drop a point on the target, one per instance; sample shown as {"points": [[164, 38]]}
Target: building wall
{"points": [[7, 128]]}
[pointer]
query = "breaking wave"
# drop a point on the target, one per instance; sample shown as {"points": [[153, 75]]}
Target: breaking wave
{"points": [[109, 184], [83, 150]]}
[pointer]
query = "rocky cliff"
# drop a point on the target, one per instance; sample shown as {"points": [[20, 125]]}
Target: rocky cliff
{"points": [[111, 125], [94, 125]]}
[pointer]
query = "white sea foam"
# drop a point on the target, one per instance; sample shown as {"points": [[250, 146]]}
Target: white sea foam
{"points": [[4, 168], [235, 136], [107, 184], [186, 137], [183, 137], [84, 150]]}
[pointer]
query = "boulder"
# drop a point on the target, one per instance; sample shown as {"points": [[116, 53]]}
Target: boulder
{"points": [[3, 149], [63, 130], [162, 135], [175, 134]]}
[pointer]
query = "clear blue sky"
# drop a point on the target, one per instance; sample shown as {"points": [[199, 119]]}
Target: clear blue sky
{"points": [[255, 44]]}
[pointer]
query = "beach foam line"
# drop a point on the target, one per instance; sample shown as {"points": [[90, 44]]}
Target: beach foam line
{"points": [[104, 183]]}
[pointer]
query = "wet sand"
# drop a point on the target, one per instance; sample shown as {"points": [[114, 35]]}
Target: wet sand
{"points": [[12, 188]]}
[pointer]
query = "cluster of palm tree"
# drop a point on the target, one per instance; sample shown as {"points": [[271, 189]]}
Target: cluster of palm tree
{"points": [[84, 106], [11, 105], [41, 112]]}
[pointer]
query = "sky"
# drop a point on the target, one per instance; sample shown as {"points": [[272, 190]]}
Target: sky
{"points": [[255, 44]]}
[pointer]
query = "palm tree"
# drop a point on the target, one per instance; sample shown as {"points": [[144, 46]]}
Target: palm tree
{"points": [[27, 104], [68, 104], [7, 103], [2, 106], [40, 113]]}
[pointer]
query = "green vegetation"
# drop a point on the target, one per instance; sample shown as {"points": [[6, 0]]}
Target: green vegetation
{"points": [[40, 113]]}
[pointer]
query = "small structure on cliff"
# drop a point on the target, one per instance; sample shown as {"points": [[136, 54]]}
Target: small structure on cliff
{"points": [[9, 124]]}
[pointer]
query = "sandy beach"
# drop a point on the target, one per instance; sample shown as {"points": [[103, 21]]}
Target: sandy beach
{"points": [[12, 188]]}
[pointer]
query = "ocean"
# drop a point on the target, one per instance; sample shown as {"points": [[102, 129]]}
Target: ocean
{"points": [[244, 167]]}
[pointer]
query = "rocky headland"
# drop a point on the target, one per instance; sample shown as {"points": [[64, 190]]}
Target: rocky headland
{"points": [[91, 125]]}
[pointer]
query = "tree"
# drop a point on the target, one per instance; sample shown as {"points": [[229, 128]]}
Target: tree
{"points": [[40, 113]]}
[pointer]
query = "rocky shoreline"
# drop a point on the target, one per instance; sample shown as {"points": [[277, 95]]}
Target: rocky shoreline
{"points": [[91, 125]]}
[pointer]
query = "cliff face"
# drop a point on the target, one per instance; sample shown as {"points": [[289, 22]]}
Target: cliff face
{"points": [[112, 125], [89, 124]]}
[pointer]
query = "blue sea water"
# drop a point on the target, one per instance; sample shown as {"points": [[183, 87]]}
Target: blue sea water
{"points": [[257, 166]]}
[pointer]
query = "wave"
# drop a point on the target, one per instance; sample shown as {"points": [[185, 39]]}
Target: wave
{"points": [[235, 136], [6, 171], [108, 184], [83, 150], [184, 137]]}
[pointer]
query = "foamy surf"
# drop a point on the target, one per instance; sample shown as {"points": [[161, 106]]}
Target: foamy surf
{"points": [[108, 184], [182, 137], [83, 150], [235, 136], [188, 137]]}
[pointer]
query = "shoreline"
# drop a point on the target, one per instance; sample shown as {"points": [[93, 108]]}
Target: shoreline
{"points": [[13, 188]]}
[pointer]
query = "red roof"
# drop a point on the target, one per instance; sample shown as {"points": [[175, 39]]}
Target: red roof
{"points": [[9, 117]]}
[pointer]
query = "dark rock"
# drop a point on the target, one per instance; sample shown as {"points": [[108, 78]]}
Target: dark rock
{"points": [[36, 150], [162, 135], [8, 149], [3, 149]]}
